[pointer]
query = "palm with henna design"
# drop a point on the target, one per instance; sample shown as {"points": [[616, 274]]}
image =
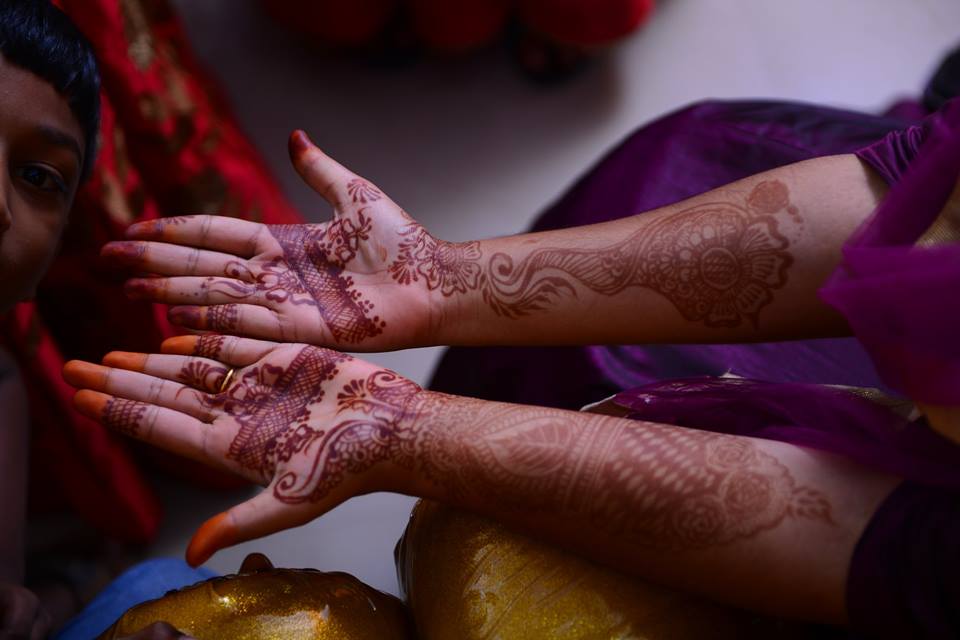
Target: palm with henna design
{"points": [[314, 426], [343, 283]]}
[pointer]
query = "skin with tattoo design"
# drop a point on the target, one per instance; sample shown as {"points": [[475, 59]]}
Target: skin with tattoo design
{"points": [[316, 427], [742, 262]]}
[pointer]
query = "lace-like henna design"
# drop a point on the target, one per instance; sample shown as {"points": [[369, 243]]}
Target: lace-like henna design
{"points": [[717, 263], [449, 266], [267, 400], [317, 257], [123, 415], [223, 317], [311, 273], [209, 346], [384, 432], [684, 489], [362, 192]]}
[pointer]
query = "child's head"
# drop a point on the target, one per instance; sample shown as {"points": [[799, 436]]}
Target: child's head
{"points": [[49, 117]]}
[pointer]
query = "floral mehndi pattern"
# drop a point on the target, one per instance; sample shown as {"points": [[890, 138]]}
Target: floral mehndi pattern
{"points": [[451, 267]]}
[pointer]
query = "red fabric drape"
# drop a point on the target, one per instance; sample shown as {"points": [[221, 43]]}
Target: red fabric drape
{"points": [[168, 146]]}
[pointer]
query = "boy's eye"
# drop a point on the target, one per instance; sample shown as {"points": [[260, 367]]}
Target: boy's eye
{"points": [[41, 178]]}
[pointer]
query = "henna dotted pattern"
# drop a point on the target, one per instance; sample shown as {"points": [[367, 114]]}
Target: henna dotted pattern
{"points": [[715, 489], [663, 487]]}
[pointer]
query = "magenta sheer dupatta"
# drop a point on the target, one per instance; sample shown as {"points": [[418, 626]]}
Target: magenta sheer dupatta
{"points": [[902, 302]]}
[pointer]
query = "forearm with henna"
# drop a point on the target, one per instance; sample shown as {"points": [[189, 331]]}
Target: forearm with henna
{"points": [[759, 524], [740, 263]]}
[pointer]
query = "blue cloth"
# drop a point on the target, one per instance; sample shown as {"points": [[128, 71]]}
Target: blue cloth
{"points": [[145, 581]]}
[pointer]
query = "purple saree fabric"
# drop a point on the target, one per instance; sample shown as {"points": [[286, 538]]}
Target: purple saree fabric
{"points": [[903, 580], [903, 302], [681, 155], [820, 417]]}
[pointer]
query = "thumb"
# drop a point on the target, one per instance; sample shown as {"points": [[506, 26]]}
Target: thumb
{"points": [[259, 516], [338, 185]]}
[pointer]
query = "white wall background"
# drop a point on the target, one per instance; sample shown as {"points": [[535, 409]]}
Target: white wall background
{"points": [[472, 149]]}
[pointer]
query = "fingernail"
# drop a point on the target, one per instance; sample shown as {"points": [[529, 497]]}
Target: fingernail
{"points": [[90, 403], [147, 229], [214, 534], [179, 345], [124, 253], [299, 144], [184, 316], [125, 360], [83, 374], [139, 289]]}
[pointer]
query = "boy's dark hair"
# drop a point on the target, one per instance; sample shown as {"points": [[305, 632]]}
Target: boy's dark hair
{"points": [[38, 37]]}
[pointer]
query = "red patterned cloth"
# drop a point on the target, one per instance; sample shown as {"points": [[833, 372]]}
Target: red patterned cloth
{"points": [[168, 146]]}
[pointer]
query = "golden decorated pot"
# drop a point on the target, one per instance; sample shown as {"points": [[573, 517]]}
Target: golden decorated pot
{"points": [[273, 604], [470, 578]]}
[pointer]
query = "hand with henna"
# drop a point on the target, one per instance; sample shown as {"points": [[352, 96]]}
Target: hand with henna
{"points": [[337, 284], [300, 420], [740, 263], [723, 515]]}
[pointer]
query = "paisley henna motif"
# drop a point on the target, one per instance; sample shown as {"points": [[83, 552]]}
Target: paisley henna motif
{"points": [[717, 263], [383, 432]]}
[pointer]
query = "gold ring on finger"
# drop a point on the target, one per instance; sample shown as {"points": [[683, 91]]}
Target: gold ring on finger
{"points": [[226, 380]]}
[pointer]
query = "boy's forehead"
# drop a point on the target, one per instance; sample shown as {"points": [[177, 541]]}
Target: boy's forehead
{"points": [[27, 100]]}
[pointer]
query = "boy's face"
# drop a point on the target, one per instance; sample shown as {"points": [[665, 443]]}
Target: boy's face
{"points": [[40, 161]]}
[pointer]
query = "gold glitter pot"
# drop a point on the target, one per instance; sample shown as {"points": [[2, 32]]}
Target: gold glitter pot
{"points": [[467, 577], [274, 604]]}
